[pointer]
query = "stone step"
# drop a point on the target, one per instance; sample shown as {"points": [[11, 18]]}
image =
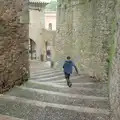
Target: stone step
{"points": [[60, 79], [56, 84], [36, 110], [45, 72], [44, 85], [47, 75], [85, 84], [50, 73], [62, 114], [81, 78], [37, 71], [42, 70], [65, 89], [40, 67], [5, 117], [60, 98], [20, 109], [53, 79], [56, 76]]}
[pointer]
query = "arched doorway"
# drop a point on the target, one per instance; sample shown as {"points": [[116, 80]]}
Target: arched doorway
{"points": [[32, 49]]}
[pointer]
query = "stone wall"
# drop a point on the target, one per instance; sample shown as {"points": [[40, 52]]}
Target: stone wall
{"points": [[115, 68], [84, 32], [89, 31], [14, 67]]}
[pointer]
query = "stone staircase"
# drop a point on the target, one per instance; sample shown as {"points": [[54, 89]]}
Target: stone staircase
{"points": [[47, 97]]}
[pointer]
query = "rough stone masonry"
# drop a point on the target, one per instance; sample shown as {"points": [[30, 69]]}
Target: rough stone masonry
{"points": [[114, 74], [89, 31], [84, 32], [13, 44]]}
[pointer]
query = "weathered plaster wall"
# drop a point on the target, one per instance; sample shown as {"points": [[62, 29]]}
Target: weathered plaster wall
{"points": [[14, 65]]}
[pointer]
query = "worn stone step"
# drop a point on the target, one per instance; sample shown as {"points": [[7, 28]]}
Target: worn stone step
{"points": [[62, 80], [47, 75], [5, 117], [60, 98], [63, 114], [53, 79], [20, 109], [94, 85], [59, 77], [79, 79], [45, 72], [44, 85], [38, 71], [42, 70], [83, 90], [39, 67], [35, 110]]}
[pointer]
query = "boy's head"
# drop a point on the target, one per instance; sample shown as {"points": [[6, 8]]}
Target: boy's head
{"points": [[68, 57]]}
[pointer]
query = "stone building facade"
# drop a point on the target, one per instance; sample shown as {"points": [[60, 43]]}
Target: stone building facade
{"points": [[37, 23], [39, 33], [14, 65]]}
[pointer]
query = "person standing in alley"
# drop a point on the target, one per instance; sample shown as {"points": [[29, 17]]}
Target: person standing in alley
{"points": [[68, 65]]}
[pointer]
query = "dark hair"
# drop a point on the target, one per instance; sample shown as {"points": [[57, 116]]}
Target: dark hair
{"points": [[68, 57]]}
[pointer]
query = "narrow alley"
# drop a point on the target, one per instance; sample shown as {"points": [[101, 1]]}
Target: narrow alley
{"points": [[46, 96], [40, 42]]}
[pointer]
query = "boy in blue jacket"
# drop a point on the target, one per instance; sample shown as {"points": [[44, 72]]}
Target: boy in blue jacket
{"points": [[68, 65]]}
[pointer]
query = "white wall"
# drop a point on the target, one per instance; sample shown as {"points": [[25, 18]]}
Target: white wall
{"points": [[50, 17], [35, 29]]}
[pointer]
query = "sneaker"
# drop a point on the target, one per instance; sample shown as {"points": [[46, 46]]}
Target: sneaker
{"points": [[70, 84]]}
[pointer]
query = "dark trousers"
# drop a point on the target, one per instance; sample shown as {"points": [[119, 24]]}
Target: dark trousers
{"points": [[67, 77]]}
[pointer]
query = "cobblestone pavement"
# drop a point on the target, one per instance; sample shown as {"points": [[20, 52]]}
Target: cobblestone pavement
{"points": [[47, 97]]}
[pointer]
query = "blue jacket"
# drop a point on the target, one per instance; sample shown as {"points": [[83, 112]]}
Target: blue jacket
{"points": [[68, 66]]}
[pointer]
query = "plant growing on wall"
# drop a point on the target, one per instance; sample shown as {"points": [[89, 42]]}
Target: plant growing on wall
{"points": [[52, 6]]}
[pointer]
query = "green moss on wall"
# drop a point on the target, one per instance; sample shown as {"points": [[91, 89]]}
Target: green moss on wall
{"points": [[112, 50]]}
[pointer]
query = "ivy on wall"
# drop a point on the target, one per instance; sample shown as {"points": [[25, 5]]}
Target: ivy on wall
{"points": [[52, 6]]}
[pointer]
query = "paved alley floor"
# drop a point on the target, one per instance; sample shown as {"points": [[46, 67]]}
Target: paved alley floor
{"points": [[47, 97]]}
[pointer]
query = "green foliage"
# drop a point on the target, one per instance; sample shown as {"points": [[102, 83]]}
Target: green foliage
{"points": [[113, 46], [52, 6]]}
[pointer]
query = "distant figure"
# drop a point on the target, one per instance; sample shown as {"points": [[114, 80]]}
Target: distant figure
{"points": [[48, 55], [68, 65]]}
